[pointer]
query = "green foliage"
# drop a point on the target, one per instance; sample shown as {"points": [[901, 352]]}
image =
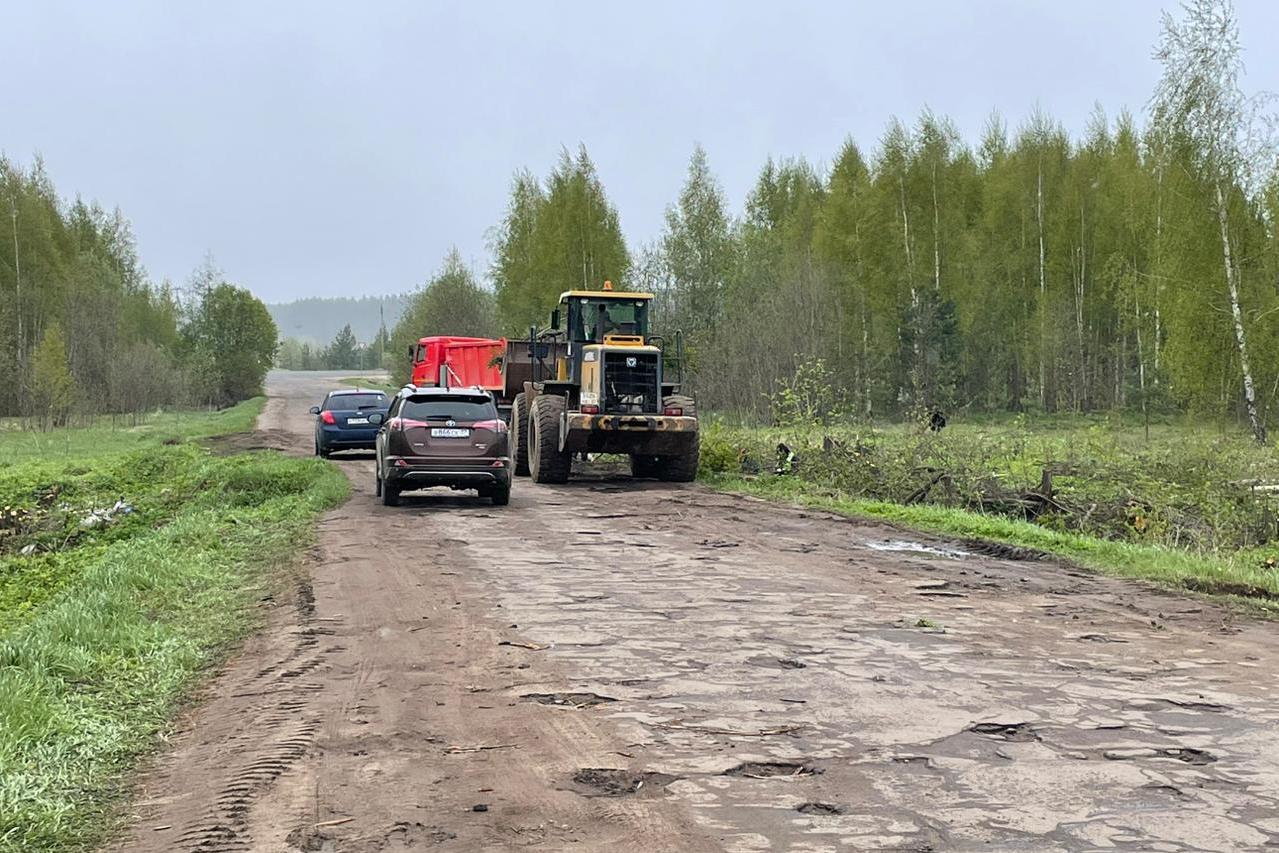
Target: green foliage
{"points": [[105, 434], [52, 384], [553, 238], [1185, 490], [698, 249], [809, 398], [231, 341], [105, 627], [73, 266], [344, 351], [451, 303]]}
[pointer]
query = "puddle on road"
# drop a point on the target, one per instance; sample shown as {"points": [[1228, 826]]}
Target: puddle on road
{"points": [[916, 548], [568, 700], [612, 782], [772, 770], [819, 808]]}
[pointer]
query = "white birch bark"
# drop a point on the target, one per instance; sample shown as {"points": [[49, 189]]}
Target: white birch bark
{"points": [[1236, 314]]}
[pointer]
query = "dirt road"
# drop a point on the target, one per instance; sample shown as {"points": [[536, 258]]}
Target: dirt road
{"points": [[672, 669]]}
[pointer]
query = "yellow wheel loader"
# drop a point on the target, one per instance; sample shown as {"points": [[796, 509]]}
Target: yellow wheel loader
{"points": [[595, 381]]}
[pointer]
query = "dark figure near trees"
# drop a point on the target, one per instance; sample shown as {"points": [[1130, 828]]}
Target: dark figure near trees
{"points": [[787, 460], [937, 421]]}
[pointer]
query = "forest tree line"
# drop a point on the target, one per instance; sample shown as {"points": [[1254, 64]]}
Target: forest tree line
{"points": [[1134, 267], [83, 331]]}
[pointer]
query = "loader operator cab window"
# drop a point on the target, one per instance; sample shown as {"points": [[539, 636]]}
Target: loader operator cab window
{"points": [[595, 318]]}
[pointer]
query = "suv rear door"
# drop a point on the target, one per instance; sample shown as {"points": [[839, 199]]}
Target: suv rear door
{"points": [[452, 426]]}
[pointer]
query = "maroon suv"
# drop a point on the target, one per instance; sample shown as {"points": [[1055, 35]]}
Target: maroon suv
{"points": [[443, 437]]}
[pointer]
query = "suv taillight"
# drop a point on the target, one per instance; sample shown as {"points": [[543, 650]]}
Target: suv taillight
{"points": [[498, 426], [327, 417]]}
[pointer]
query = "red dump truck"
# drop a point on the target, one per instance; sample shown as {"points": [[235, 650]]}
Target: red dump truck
{"points": [[451, 360]]}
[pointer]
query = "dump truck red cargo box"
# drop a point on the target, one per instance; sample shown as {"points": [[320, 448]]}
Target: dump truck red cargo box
{"points": [[470, 361]]}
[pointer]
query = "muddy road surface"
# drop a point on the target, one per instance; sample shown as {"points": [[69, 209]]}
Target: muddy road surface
{"points": [[670, 669]]}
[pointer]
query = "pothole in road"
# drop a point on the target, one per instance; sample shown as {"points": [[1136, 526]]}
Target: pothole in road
{"points": [[1004, 551], [610, 782], [917, 548], [777, 663], [1014, 732], [1190, 755], [772, 770], [568, 700], [819, 808]]}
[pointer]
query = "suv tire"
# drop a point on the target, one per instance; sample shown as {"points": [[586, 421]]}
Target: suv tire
{"points": [[520, 434]]}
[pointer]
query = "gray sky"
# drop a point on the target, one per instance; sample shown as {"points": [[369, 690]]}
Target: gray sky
{"points": [[327, 148]]}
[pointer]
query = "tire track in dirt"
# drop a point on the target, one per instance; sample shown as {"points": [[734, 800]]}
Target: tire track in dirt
{"points": [[253, 725], [778, 679], [380, 711]]}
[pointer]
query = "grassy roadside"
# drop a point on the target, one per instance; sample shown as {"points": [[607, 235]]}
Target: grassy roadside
{"points": [[105, 626], [1181, 508], [105, 437], [369, 383]]}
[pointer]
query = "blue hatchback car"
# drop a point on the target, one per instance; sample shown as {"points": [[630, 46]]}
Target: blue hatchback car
{"points": [[348, 419]]}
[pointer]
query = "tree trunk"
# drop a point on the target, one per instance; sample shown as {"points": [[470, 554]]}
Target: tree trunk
{"points": [[936, 235], [1159, 269], [1236, 313], [916, 331], [1043, 290]]}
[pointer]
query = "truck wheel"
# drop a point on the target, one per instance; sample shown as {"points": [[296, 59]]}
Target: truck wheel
{"points": [[547, 463], [520, 434], [644, 465], [682, 468]]}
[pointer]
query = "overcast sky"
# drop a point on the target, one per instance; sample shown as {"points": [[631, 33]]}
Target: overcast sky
{"points": [[325, 148]]}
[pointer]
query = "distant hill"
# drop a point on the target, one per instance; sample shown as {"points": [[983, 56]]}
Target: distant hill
{"points": [[318, 320]]}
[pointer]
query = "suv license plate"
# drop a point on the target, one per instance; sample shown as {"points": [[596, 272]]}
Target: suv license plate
{"points": [[446, 432], [357, 420]]}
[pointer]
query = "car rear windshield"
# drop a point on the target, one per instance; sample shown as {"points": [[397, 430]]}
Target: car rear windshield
{"points": [[449, 408], [343, 402]]}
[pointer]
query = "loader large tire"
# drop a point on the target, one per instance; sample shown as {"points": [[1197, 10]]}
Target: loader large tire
{"points": [[547, 463], [682, 468], [520, 434]]}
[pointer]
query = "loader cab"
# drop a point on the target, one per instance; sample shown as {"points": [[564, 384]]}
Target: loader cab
{"points": [[597, 317]]}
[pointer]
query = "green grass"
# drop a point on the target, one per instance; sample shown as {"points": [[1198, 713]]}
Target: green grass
{"points": [[107, 436], [103, 630], [369, 383], [1180, 508]]}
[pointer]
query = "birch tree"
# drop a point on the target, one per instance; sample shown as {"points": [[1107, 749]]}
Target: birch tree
{"points": [[1200, 108]]}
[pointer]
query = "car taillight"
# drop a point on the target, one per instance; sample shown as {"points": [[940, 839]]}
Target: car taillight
{"points": [[590, 410], [327, 417], [673, 411], [498, 426]]}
